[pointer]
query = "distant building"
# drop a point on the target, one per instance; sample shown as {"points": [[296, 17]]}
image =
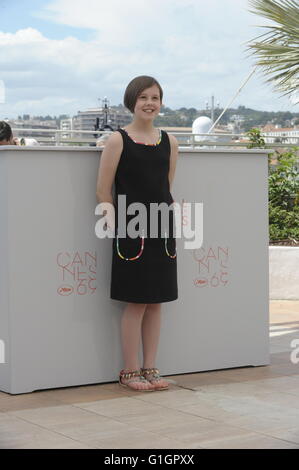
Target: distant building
{"points": [[66, 125], [237, 118], [285, 135], [36, 126], [236, 122], [87, 120]]}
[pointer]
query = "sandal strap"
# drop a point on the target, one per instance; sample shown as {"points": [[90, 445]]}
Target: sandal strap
{"points": [[153, 376], [153, 371], [132, 376]]}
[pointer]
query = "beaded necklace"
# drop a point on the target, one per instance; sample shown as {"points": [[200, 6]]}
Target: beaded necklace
{"points": [[141, 249], [142, 143]]}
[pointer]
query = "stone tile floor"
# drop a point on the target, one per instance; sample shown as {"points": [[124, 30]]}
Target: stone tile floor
{"points": [[249, 407]]}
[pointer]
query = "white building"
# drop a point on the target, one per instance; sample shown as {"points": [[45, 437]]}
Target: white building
{"points": [[67, 126], [285, 135], [87, 120]]}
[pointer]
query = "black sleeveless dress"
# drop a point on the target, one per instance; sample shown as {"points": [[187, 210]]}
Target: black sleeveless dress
{"points": [[144, 270]]}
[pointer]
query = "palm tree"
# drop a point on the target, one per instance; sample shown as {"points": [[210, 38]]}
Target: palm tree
{"points": [[279, 51]]}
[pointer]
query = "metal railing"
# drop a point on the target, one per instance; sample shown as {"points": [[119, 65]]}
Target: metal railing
{"points": [[59, 137]]}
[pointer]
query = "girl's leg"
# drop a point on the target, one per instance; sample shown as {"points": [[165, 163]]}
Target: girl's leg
{"points": [[131, 336], [151, 326], [131, 333]]}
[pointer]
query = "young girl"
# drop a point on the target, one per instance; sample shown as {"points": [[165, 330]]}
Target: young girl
{"points": [[141, 160]]}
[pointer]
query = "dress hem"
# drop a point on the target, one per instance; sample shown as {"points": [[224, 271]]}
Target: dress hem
{"points": [[144, 301]]}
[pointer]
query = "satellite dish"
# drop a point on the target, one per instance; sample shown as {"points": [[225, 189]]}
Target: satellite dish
{"points": [[201, 125]]}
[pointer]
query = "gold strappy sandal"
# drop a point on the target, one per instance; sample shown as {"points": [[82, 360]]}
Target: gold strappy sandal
{"points": [[134, 376], [153, 376]]}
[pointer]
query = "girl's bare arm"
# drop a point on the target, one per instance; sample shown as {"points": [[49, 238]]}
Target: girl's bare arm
{"points": [[108, 166], [106, 173]]}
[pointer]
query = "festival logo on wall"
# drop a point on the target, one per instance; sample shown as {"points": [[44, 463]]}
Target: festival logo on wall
{"points": [[77, 272], [212, 261], [212, 266]]}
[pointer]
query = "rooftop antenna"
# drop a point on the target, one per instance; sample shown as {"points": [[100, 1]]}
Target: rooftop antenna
{"points": [[212, 107], [105, 106], [104, 126]]}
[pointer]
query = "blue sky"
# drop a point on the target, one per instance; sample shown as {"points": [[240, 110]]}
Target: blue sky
{"points": [[19, 14], [60, 56]]}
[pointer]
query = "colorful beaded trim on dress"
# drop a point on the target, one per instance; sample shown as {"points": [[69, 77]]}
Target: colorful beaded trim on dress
{"points": [[134, 257], [142, 143], [141, 249], [168, 254]]}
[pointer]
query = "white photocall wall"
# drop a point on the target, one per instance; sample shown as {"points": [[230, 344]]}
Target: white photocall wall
{"points": [[58, 325]]}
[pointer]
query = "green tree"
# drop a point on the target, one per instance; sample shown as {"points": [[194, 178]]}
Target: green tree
{"points": [[284, 198], [256, 140]]}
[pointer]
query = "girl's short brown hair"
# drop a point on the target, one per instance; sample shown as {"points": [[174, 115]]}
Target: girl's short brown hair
{"points": [[137, 86]]}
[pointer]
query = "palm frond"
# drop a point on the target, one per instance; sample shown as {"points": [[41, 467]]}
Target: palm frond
{"points": [[279, 50]]}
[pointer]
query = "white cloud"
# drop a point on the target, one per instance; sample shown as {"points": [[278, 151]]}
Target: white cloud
{"points": [[119, 23], [116, 22], [193, 47]]}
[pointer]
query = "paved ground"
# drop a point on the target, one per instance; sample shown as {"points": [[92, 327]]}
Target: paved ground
{"points": [[251, 407]]}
